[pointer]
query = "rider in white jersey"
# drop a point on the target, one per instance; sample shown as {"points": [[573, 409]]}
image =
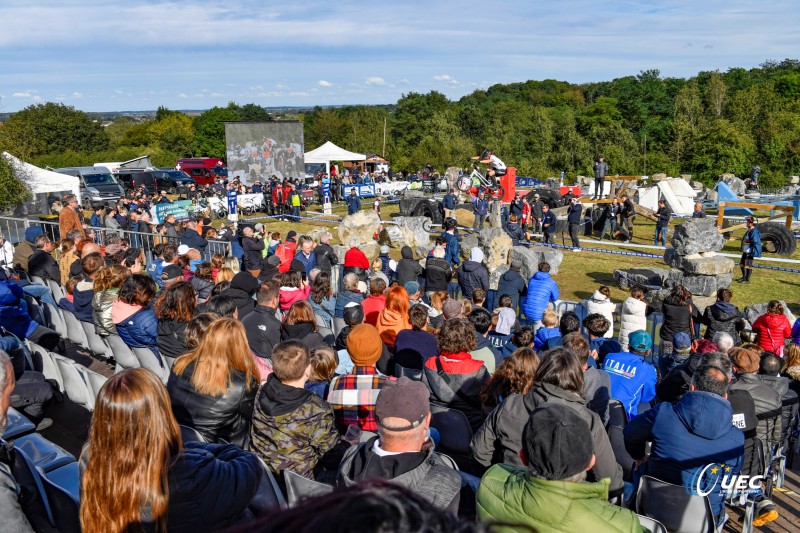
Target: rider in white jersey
{"points": [[496, 166]]}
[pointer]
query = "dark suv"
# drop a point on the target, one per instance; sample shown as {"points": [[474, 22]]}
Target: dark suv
{"points": [[132, 180], [172, 180]]}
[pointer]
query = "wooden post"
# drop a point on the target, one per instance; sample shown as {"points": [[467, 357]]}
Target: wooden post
{"points": [[720, 215]]}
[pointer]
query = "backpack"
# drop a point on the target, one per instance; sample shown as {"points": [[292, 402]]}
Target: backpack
{"points": [[285, 252]]}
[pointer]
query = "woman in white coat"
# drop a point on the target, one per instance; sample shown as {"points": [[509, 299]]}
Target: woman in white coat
{"points": [[633, 316], [600, 302]]}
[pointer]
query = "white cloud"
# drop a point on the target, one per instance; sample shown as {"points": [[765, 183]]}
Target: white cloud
{"points": [[182, 95], [76, 94], [299, 94], [23, 94], [446, 77], [405, 81], [375, 80], [323, 83]]}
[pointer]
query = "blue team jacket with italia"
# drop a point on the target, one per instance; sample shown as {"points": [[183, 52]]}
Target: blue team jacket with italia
{"points": [[633, 380]]}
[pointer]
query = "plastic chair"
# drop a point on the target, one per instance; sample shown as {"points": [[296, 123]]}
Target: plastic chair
{"points": [[298, 487], [617, 416], [338, 325], [56, 289], [27, 476], [448, 460], [47, 364], [410, 373], [75, 332], [677, 510], [53, 315], [38, 280], [43, 453], [74, 384], [94, 380], [269, 495], [653, 526], [95, 341], [454, 428], [122, 353], [189, 434], [62, 488], [17, 425], [321, 321], [147, 359]]}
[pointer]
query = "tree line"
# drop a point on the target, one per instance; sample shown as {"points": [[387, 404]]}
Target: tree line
{"points": [[708, 124]]}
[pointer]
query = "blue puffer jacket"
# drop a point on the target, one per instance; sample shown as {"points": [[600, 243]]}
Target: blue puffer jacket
{"points": [[542, 289], [451, 253], [139, 330], [696, 431], [344, 298], [82, 297], [13, 315]]}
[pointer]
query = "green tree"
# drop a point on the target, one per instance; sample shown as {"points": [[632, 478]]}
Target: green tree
{"points": [[720, 148], [51, 127], [687, 120], [210, 130], [716, 93], [413, 114], [13, 190], [174, 132]]}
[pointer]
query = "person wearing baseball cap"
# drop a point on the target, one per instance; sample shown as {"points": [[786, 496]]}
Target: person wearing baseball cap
{"points": [[681, 350], [402, 452], [353, 395], [633, 380], [556, 453]]}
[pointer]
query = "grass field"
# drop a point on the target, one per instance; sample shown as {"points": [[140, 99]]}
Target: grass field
{"points": [[581, 273]]}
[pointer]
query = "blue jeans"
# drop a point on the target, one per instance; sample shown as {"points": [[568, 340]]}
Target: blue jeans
{"points": [[663, 232], [609, 225], [40, 292]]}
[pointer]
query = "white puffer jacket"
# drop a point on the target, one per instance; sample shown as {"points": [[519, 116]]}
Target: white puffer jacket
{"points": [[633, 318], [600, 303]]}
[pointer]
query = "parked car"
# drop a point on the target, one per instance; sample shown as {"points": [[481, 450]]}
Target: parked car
{"points": [[131, 180], [203, 170], [98, 185], [172, 180]]}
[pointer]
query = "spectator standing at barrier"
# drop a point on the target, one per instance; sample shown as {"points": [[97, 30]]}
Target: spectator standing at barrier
{"points": [[472, 274], [449, 203], [353, 202], [294, 199], [663, 213], [627, 215], [574, 212], [68, 217], [537, 212], [525, 216], [542, 290], [452, 249], [557, 454], [548, 224], [480, 207], [600, 171], [751, 248]]}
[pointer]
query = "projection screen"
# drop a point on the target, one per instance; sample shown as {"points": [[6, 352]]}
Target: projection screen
{"points": [[260, 150]]}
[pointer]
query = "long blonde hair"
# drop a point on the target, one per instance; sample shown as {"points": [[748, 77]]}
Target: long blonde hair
{"points": [[222, 350], [132, 438]]}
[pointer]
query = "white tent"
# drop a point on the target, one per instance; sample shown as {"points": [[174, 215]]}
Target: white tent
{"points": [[330, 152], [41, 181]]}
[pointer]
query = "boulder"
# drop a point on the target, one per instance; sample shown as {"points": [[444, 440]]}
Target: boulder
{"points": [[422, 251], [752, 312], [361, 225], [794, 180], [529, 259], [655, 298], [698, 284], [495, 275], [686, 177], [644, 277], [371, 249], [495, 244], [397, 238], [451, 177], [413, 231], [707, 264], [467, 243], [495, 217], [549, 255], [697, 235], [696, 185], [736, 184], [464, 217], [701, 302], [340, 251], [412, 193]]}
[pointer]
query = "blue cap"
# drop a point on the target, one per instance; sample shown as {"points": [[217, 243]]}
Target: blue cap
{"points": [[640, 341], [412, 287], [681, 342]]}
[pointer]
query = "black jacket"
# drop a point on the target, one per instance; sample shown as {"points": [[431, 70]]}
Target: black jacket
{"points": [[437, 274], [252, 252], [263, 330], [768, 405], [472, 275], [676, 383], [268, 272], [244, 301], [192, 239], [407, 268], [44, 265], [326, 257], [202, 287], [214, 417], [511, 283], [677, 318], [724, 317], [515, 231], [574, 213], [171, 338], [303, 332]]}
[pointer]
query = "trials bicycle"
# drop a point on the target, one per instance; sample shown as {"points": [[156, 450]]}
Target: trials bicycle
{"points": [[478, 180]]}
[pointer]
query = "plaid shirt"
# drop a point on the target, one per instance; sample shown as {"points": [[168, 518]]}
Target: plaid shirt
{"points": [[353, 398]]}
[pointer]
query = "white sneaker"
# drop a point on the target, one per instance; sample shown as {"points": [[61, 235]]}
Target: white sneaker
{"points": [[576, 249]]}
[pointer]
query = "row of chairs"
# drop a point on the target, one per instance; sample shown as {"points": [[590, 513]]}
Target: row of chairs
{"points": [[48, 467], [80, 384]]}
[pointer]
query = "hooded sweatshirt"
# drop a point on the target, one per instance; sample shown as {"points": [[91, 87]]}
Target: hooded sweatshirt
{"points": [[722, 317], [389, 324], [600, 303], [25, 249], [290, 295], [407, 268], [472, 274]]}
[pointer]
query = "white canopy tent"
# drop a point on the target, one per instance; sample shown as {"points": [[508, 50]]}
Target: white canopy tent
{"points": [[41, 181], [330, 152]]}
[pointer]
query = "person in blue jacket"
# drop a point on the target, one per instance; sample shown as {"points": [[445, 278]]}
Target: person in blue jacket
{"points": [[353, 203], [451, 252], [449, 203], [694, 441], [633, 380], [96, 221], [548, 224], [136, 322], [751, 247], [480, 207], [542, 290], [15, 319]]}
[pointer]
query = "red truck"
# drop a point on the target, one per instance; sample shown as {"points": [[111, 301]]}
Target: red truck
{"points": [[203, 170]]}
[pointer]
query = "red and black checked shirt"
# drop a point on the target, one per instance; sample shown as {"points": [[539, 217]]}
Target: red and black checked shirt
{"points": [[353, 398]]}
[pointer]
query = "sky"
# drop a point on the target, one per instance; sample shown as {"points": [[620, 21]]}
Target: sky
{"points": [[138, 55]]}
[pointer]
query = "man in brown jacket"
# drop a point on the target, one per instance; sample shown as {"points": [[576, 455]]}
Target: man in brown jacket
{"points": [[68, 218]]}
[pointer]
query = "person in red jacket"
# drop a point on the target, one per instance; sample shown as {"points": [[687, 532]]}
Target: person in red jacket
{"points": [[375, 302], [772, 328], [286, 251], [356, 261]]}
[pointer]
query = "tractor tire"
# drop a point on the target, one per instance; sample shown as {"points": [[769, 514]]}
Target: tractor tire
{"points": [[551, 197], [776, 238]]}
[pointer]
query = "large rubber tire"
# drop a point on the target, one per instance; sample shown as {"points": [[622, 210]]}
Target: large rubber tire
{"points": [[551, 197], [497, 192], [776, 238]]}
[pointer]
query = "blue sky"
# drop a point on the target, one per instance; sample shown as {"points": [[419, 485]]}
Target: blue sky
{"points": [[136, 55]]}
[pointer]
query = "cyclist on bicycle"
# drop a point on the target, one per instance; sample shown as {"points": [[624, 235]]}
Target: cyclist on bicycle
{"points": [[496, 166]]}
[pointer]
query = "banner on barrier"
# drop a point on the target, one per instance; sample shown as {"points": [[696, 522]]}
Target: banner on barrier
{"points": [[180, 208], [363, 191]]}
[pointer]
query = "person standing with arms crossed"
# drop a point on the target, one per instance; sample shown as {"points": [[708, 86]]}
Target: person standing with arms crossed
{"points": [[548, 224], [481, 208], [574, 220], [600, 171], [751, 247]]}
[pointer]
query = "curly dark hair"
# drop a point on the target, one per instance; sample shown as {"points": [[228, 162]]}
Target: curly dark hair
{"points": [[138, 289], [457, 335], [177, 302]]}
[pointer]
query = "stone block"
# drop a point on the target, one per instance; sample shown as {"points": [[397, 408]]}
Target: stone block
{"points": [[361, 225], [794, 180], [658, 176], [495, 217], [551, 256], [655, 298], [698, 284], [707, 264], [495, 244], [340, 251], [495, 275], [736, 184], [467, 243], [529, 259], [752, 312], [645, 277], [697, 235], [371, 250], [686, 177], [397, 238], [413, 231], [422, 251]]}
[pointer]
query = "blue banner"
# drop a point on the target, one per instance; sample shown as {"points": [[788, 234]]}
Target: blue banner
{"points": [[231, 202], [179, 208], [363, 191]]}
